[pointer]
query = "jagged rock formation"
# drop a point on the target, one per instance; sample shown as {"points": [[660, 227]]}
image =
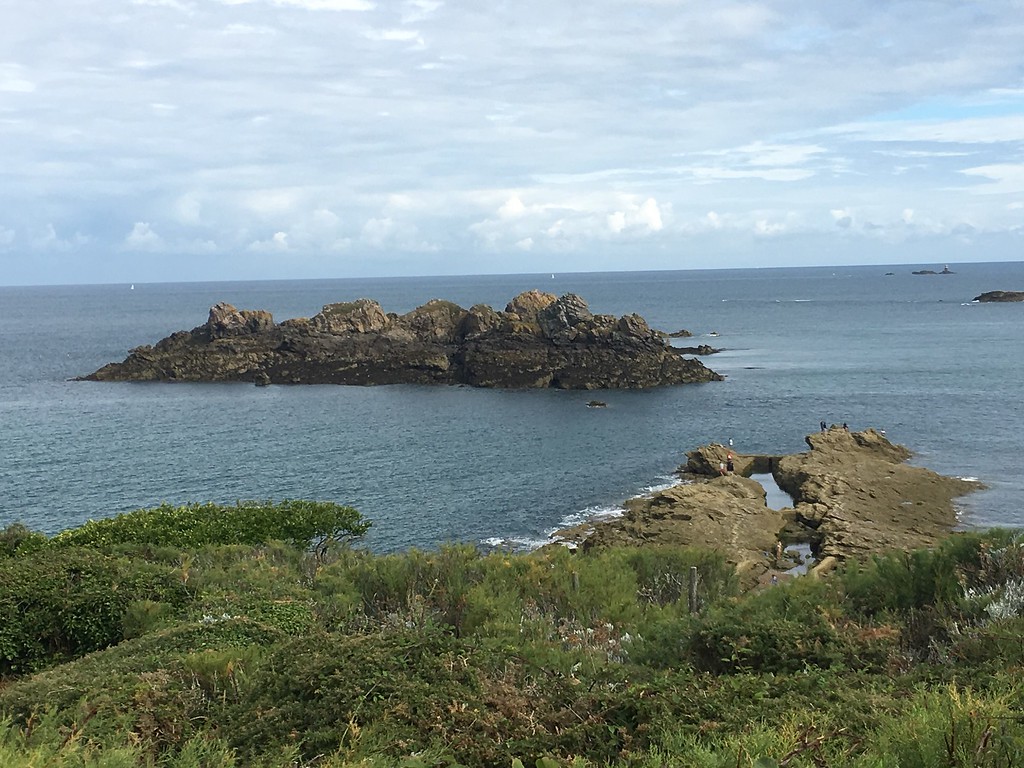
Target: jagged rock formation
{"points": [[853, 495], [994, 296], [538, 341]]}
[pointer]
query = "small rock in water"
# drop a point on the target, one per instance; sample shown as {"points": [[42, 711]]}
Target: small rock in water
{"points": [[597, 404]]}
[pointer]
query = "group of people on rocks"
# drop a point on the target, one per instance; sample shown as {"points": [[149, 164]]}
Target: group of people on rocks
{"points": [[824, 426]]}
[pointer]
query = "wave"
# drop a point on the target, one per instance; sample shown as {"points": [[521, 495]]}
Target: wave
{"points": [[513, 543]]}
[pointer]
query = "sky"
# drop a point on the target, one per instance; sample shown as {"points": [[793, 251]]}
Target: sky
{"points": [[174, 140]]}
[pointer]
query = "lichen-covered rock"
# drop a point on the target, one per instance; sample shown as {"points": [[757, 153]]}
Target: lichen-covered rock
{"points": [[226, 321], [528, 303], [359, 316], [563, 319], [436, 320], [437, 343]]}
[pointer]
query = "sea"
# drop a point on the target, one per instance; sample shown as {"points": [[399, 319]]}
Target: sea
{"points": [[871, 346]]}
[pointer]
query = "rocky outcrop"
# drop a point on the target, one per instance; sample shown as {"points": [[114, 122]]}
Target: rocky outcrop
{"points": [[997, 296], [853, 495], [726, 513], [538, 341]]}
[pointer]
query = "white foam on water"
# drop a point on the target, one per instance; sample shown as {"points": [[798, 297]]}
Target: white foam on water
{"points": [[513, 543], [590, 514], [669, 482]]}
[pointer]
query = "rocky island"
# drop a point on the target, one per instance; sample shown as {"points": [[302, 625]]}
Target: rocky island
{"points": [[853, 495], [539, 340], [1000, 296]]}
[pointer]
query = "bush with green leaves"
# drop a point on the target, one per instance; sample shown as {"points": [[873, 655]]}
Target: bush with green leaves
{"points": [[155, 691], [56, 605], [316, 524], [17, 538]]}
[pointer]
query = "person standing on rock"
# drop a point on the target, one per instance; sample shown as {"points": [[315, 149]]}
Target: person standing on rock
{"points": [[721, 467], [729, 465]]}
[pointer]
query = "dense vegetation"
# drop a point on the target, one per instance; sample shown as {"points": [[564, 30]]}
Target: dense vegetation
{"points": [[255, 635]]}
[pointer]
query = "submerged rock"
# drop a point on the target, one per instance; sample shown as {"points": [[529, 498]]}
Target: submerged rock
{"points": [[538, 341]]}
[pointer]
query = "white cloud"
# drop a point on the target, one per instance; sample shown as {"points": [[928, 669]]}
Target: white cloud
{"points": [[417, 10], [377, 232], [49, 240], [394, 35], [143, 238], [14, 80], [277, 243], [765, 174], [1006, 178], [314, 5], [513, 208], [981, 130], [647, 128], [6, 237], [188, 209], [843, 217], [649, 215]]}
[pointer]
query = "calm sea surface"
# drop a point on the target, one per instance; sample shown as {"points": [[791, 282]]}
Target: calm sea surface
{"points": [[904, 353]]}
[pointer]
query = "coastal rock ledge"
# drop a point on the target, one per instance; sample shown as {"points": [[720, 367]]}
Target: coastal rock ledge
{"points": [[538, 341], [853, 496], [994, 296]]}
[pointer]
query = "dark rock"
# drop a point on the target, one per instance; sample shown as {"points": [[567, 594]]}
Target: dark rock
{"points": [[682, 333], [1000, 296], [702, 349], [597, 404], [538, 341]]}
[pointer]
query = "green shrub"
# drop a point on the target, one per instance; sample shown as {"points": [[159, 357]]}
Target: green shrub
{"points": [[18, 539], [316, 524], [59, 604], [781, 630], [396, 692], [902, 582], [157, 691], [952, 727]]}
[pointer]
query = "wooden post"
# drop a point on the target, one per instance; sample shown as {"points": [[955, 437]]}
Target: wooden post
{"points": [[693, 589]]}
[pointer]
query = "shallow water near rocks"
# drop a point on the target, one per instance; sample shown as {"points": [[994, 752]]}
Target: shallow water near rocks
{"points": [[908, 354]]}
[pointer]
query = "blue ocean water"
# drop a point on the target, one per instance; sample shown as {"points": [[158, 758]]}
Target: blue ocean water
{"points": [[905, 353]]}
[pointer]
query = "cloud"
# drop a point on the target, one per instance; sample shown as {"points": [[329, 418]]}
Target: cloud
{"points": [[143, 238], [49, 240], [843, 217], [313, 5], [420, 130], [14, 80], [512, 209], [277, 243], [1006, 178]]}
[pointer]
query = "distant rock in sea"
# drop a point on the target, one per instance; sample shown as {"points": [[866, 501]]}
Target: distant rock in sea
{"points": [[1000, 296], [945, 271], [538, 341]]}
